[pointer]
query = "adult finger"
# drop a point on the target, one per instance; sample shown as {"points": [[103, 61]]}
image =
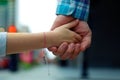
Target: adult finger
{"points": [[76, 51], [53, 49], [69, 51], [85, 43], [62, 48]]}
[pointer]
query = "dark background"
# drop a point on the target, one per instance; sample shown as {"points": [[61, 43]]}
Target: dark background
{"points": [[105, 24]]}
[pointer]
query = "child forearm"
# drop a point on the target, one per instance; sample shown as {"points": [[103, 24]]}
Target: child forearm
{"points": [[17, 42]]}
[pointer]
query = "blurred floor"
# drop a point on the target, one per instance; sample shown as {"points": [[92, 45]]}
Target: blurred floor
{"points": [[58, 73], [40, 73]]}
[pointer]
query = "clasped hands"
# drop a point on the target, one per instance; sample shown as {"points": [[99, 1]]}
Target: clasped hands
{"points": [[72, 50]]}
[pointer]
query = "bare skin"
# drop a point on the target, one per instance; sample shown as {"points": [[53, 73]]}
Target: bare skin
{"points": [[18, 42], [72, 50]]}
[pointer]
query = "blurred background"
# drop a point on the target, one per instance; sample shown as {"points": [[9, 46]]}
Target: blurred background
{"points": [[100, 62]]}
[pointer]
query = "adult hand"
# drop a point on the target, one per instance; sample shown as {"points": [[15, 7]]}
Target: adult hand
{"points": [[65, 34], [86, 33], [65, 50]]}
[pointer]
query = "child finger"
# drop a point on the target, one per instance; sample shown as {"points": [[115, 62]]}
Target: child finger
{"points": [[71, 24], [78, 37]]}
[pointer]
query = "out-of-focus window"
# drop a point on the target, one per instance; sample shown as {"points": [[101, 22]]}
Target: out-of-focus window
{"points": [[38, 15]]}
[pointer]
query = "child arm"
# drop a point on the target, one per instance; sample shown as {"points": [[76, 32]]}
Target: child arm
{"points": [[18, 42]]}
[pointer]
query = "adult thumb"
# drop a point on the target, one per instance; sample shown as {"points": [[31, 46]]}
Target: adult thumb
{"points": [[71, 24]]}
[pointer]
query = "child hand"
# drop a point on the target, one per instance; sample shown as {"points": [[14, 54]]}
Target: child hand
{"points": [[64, 34]]}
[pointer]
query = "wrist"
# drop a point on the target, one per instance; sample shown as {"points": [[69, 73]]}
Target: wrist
{"points": [[66, 18], [50, 39], [62, 19]]}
